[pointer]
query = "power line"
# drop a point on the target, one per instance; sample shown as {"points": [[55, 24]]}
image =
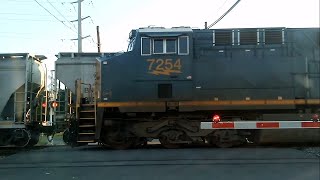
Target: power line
{"points": [[15, 37], [27, 1], [223, 15], [91, 3], [222, 5], [72, 25], [14, 19], [74, 8], [61, 14], [65, 3], [91, 20], [22, 14], [19, 33], [54, 16]]}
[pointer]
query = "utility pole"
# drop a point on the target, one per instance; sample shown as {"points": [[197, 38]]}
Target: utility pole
{"points": [[98, 39], [79, 27], [80, 19]]}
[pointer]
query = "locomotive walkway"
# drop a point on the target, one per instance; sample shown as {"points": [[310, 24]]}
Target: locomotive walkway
{"points": [[157, 163]]}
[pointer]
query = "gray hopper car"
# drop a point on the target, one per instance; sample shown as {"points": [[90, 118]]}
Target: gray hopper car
{"points": [[22, 81]]}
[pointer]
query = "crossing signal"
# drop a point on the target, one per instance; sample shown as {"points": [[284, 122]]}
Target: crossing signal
{"points": [[54, 104]]}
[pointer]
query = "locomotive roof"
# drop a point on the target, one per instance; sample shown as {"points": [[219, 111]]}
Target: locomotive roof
{"points": [[162, 29], [189, 29]]}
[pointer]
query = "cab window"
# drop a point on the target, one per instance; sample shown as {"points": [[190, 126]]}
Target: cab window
{"points": [[178, 45], [145, 46], [158, 46], [170, 46], [183, 45], [164, 46]]}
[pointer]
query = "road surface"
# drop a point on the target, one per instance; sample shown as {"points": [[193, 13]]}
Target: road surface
{"points": [[92, 163]]}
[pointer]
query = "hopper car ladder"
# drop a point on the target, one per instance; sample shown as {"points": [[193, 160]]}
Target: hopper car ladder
{"points": [[86, 115]]}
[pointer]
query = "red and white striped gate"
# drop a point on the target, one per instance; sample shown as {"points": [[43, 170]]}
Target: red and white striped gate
{"points": [[260, 125]]}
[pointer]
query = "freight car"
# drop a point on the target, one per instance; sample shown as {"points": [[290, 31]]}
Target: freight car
{"points": [[22, 79], [23, 101], [171, 84]]}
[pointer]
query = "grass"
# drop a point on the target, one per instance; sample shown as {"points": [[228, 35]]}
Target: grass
{"points": [[57, 140]]}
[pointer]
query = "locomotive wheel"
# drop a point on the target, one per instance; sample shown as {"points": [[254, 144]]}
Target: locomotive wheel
{"points": [[118, 140], [34, 139], [167, 144], [141, 142], [66, 137], [170, 138], [70, 137], [21, 137], [224, 138]]}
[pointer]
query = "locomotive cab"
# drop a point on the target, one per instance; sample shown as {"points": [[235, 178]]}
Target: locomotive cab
{"points": [[165, 59], [156, 67]]}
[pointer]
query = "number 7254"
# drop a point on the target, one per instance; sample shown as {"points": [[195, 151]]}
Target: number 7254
{"points": [[164, 64]]}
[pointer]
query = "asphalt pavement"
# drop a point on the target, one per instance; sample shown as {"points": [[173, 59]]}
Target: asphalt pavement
{"points": [[92, 163]]}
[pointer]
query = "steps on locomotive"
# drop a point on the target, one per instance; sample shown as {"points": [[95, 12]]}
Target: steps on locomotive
{"points": [[87, 125]]}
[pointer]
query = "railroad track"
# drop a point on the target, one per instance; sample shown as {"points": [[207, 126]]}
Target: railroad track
{"points": [[7, 151], [64, 162], [160, 162], [43, 161], [313, 149], [12, 150]]}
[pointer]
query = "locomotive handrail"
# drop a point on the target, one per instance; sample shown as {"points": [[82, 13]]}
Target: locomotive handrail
{"points": [[90, 92]]}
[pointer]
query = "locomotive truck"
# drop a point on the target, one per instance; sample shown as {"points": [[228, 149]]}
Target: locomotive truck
{"points": [[183, 86]]}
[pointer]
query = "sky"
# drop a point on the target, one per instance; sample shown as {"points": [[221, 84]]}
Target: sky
{"points": [[45, 28]]}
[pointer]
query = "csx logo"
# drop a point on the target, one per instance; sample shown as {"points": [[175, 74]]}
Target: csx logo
{"points": [[164, 66]]}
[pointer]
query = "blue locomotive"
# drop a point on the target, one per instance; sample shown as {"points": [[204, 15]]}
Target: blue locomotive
{"points": [[171, 80]]}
